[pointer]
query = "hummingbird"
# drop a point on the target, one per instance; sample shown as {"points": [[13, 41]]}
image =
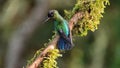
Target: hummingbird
{"points": [[62, 29]]}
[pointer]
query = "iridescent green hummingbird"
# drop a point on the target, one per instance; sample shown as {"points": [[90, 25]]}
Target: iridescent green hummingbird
{"points": [[62, 28]]}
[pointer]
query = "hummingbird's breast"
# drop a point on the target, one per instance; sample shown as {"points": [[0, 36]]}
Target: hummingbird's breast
{"points": [[62, 26]]}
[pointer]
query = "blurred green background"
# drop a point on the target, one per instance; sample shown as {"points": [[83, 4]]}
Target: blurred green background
{"points": [[22, 33]]}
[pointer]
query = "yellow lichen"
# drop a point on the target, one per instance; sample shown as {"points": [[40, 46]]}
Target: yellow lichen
{"points": [[93, 10], [50, 59]]}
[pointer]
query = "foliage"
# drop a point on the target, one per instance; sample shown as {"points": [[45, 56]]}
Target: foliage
{"points": [[50, 59], [93, 10]]}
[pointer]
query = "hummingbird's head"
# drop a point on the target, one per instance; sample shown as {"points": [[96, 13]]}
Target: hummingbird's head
{"points": [[52, 14]]}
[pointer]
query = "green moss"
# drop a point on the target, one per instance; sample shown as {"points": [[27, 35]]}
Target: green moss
{"points": [[50, 59], [93, 10], [29, 62]]}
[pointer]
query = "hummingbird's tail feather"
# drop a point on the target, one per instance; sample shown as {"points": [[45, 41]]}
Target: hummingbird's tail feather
{"points": [[63, 44]]}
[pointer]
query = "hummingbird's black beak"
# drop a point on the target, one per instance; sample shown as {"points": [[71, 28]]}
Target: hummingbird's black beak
{"points": [[47, 19], [50, 15]]}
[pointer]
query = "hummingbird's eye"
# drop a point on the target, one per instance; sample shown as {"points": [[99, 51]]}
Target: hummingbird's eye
{"points": [[51, 13]]}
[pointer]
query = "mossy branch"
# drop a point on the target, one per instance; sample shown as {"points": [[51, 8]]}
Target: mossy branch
{"points": [[85, 16], [53, 43], [93, 12]]}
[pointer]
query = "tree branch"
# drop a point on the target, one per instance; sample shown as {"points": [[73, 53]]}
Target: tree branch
{"points": [[53, 43]]}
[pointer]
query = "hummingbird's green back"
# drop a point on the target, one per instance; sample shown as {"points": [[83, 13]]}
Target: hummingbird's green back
{"points": [[62, 28]]}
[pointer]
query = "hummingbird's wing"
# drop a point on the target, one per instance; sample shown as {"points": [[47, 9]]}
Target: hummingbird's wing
{"points": [[62, 34], [63, 45], [65, 42]]}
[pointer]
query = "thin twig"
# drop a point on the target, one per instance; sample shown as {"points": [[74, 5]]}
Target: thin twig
{"points": [[53, 43]]}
